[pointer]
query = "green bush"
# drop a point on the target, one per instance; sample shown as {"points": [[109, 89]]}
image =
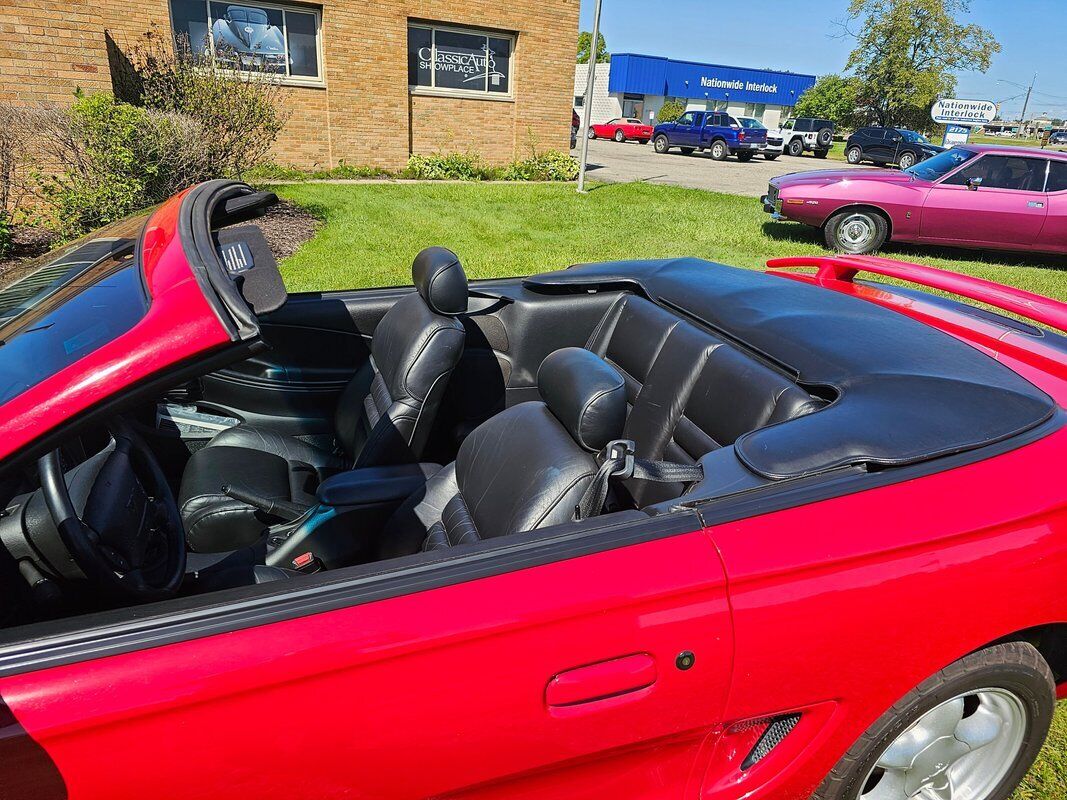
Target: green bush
{"points": [[670, 111], [548, 166], [105, 169], [448, 167], [5, 235]]}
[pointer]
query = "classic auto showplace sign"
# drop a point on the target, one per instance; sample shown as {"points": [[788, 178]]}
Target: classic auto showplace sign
{"points": [[963, 112], [469, 65]]}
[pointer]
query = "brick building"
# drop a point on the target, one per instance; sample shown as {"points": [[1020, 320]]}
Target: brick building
{"points": [[368, 83]]}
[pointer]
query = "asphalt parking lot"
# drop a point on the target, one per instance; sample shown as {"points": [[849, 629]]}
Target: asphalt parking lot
{"points": [[613, 162]]}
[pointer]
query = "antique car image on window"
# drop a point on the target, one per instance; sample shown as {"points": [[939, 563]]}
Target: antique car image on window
{"points": [[248, 38]]}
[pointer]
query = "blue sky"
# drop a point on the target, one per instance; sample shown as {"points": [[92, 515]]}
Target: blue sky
{"points": [[798, 37]]}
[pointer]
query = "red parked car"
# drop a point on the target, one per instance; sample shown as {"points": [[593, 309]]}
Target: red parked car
{"points": [[977, 196], [621, 130], [649, 529]]}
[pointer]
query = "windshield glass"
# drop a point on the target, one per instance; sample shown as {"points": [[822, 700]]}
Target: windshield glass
{"points": [[57, 309], [912, 136], [939, 166], [751, 122]]}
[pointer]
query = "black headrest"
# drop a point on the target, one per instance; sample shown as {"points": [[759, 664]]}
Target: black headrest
{"points": [[586, 394], [439, 277]]}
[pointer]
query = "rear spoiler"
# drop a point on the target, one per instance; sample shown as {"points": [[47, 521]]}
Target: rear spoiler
{"points": [[1028, 305]]}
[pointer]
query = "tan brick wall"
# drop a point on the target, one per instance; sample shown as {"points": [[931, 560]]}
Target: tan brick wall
{"points": [[44, 54], [364, 114]]}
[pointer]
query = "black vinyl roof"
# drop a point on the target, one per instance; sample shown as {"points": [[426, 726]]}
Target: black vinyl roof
{"points": [[906, 392]]}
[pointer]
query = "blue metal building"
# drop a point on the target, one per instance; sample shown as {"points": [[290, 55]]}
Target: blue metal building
{"points": [[637, 86]]}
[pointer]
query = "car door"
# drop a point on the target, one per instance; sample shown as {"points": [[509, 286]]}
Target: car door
{"points": [[1054, 232], [560, 668], [874, 145], [995, 200]]}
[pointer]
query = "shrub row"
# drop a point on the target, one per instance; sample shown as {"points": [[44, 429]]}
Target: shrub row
{"points": [[547, 166]]}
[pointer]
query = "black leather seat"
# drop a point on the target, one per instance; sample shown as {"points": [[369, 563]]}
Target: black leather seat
{"points": [[384, 416], [523, 469]]}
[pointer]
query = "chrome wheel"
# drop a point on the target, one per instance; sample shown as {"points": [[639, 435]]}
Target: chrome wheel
{"points": [[907, 161], [959, 750], [854, 155], [856, 231]]}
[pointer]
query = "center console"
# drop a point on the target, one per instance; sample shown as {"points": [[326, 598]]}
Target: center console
{"points": [[352, 509]]}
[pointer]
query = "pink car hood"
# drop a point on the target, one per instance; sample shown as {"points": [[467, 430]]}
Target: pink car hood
{"points": [[823, 177]]}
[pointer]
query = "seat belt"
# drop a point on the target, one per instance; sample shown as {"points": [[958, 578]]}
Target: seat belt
{"points": [[618, 461]]}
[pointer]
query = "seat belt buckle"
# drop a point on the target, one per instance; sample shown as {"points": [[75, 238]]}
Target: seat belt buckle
{"points": [[621, 450]]}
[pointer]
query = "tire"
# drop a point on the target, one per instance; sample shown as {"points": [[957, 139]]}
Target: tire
{"points": [[686, 151], [661, 144], [822, 153], [856, 231], [620, 136], [745, 155], [771, 156], [907, 161], [592, 134], [824, 138], [719, 150], [795, 147], [1010, 684], [854, 155]]}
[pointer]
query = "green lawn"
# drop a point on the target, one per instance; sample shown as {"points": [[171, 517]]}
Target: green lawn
{"points": [[372, 231]]}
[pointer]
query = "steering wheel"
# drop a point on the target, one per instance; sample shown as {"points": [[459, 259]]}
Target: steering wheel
{"points": [[128, 539]]}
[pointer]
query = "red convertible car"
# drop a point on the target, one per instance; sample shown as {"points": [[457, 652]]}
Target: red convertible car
{"points": [[978, 196], [622, 129], [648, 529]]}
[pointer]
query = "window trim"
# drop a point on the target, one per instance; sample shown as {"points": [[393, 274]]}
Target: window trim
{"points": [[1044, 183], [476, 94], [299, 8]]}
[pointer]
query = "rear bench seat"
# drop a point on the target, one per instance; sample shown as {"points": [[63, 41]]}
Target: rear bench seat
{"points": [[688, 392]]}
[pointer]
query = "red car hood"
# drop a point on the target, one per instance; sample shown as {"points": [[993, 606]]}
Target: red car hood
{"points": [[822, 177]]}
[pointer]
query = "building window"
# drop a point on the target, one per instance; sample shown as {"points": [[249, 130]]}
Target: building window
{"points": [[457, 60], [716, 105], [579, 100], [633, 106], [756, 110], [252, 37]]}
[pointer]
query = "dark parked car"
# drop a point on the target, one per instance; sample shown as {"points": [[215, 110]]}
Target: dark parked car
{"points": [[715, 131], [883, 146], [1058, 137]]}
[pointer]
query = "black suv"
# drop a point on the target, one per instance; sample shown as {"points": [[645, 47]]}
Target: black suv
{"points": [[883, 146]]}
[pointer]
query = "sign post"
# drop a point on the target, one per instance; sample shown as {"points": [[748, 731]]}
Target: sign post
{"points": [[960, 116], [588, 104]]}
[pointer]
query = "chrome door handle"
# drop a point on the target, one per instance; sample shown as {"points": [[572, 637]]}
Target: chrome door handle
{"points": [[1035, 204]]}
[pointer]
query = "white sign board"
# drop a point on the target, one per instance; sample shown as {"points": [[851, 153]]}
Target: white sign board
{"points": [[963, 112], [956, 134]]}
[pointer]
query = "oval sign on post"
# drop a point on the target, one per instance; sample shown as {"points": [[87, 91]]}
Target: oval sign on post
{"points": [[963, 112]]}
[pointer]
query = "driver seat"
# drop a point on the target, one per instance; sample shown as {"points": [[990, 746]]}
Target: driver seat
{"points": [[384, 416]]}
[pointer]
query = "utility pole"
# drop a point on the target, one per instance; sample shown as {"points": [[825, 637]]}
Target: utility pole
{"points": [[1026, 102], [587, 105]]}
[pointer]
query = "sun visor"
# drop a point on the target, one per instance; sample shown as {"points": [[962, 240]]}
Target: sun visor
{"points": [[248, 261]]}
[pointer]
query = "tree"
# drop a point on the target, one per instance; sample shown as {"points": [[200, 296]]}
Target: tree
{"points": [[671, 110], [907, 53], [585, 39], [833, 97]]}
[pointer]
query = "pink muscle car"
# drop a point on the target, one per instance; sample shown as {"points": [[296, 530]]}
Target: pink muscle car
{"points": [[1004, 198]]}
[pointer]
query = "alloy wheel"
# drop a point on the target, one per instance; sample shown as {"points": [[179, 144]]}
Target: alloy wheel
{"points": [[907, 161], [856, 231], [958, 750]]}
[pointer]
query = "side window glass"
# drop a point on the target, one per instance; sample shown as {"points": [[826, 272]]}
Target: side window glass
{"points": [[685, 119], [1014, 173], [1057, 177]]}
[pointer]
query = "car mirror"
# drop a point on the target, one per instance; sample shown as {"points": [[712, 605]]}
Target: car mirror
{"points": [[974, 183]]}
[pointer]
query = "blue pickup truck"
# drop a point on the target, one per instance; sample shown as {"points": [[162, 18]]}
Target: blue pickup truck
{"points": [[715, 131]]}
